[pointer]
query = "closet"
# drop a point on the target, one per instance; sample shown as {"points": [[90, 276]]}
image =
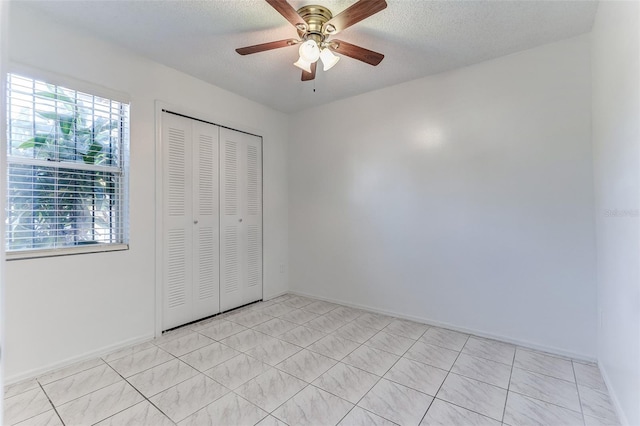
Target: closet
{"points": [[211, 219]]}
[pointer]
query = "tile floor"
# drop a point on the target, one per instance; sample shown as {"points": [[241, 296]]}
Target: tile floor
{"points": [[298, 361]]}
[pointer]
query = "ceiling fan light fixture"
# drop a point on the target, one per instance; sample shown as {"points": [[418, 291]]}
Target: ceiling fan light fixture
{"points": [[303, 65], [328, 59], [315, 24]]}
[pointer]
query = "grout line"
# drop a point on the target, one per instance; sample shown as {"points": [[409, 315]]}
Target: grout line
{"points": [[148, 368], [545, 375], [79, 396], [103, 358], [445, 377], [547, 402], [222, 338], [95, 390], [55, 409], [382, 376], [70, 374], [428, 408], [145, 398], [308, 383], [491, 384], [513, 362], [36, 383], [460, 352], [468, 409], [368, 411], [465, 376]]}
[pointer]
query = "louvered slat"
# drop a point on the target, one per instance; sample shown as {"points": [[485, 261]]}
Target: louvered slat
{"points": [[176, 201], [207, 270], [231, 178], [207, 192], [175, 268], [252, 180], [254, 261], [231, 260]]}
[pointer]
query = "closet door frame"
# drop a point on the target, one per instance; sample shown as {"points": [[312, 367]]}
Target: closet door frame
{"points": [[160, 107]]}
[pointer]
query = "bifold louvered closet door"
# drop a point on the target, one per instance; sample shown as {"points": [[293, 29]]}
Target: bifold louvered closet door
{"points": [[191, 245], [240, 218], [212, 219]]}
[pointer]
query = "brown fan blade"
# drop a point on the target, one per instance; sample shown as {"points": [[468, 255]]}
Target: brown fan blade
{"points": [[265, 46], [306, 76], [356, 52], [355, 13], [290, 14]]}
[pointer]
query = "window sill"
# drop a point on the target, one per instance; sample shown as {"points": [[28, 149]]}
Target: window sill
{"points": [[67, 251]]}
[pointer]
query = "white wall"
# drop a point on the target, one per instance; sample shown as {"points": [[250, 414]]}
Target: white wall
{"points": [[59, 309], [463, 198], [616, 150]]}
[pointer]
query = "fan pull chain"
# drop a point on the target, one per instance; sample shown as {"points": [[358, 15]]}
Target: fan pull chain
{"points": [[314, 85]]}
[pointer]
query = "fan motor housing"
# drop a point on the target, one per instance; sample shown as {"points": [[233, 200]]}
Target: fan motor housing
{"points": [[315, 16]]}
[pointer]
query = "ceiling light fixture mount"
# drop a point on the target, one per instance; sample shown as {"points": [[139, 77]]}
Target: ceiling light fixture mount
{"points": [[315, 24], [315, 17]]}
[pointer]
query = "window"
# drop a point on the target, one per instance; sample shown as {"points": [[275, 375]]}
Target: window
{"points": [[66, 169]]}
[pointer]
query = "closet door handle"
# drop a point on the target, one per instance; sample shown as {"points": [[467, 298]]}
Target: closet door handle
{"points": [[195, 222], [240, 220]]}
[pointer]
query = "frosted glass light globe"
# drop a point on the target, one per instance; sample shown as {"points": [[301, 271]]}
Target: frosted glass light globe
{"points": [[309, 51], [328, 59], [303, 65]]}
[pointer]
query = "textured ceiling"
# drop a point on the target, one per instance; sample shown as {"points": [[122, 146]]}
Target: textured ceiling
{"points": [[418, 38]]}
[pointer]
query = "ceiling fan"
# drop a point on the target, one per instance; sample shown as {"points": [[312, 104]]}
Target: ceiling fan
{"points": [[315, 25]]}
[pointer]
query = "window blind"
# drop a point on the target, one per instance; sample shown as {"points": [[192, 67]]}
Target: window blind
{"points": [[67, 156]]}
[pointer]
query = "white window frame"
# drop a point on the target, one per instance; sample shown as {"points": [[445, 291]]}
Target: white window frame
{"points": [[98, 91]]}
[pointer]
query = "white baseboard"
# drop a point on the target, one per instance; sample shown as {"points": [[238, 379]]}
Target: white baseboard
{"points": [[614, 398], [476, 332], [72, 360]]}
